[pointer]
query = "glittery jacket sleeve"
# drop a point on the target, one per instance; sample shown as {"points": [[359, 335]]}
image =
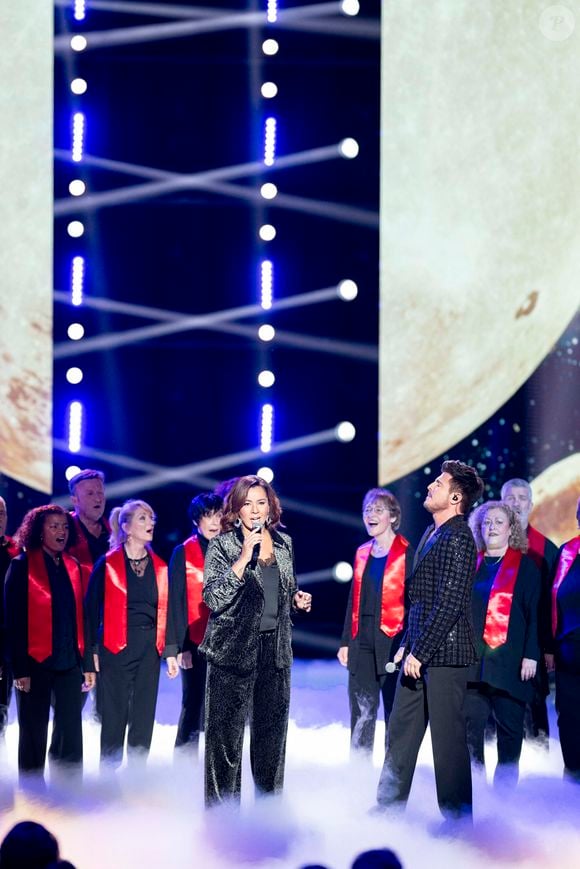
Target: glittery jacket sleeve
{"points": [[440, 630], [221, 586]]}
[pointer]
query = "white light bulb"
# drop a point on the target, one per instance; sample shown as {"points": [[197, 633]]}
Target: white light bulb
{"points": [[345, 432]]}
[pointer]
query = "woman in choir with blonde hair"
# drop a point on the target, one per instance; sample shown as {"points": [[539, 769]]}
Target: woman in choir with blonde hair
{"points": [[126, 605]]}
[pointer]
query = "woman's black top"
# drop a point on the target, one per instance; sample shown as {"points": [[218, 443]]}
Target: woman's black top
{"points": [[271, 582]]}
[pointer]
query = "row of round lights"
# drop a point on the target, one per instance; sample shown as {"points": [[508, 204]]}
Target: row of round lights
{"points": [[75, 228], [347, 290]]}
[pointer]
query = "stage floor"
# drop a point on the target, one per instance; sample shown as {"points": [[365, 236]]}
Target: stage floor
{"points": [[154, 817]]}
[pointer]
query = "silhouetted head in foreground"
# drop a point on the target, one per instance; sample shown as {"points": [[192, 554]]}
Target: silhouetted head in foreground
{"points": [[29, 845], [381, 858]]}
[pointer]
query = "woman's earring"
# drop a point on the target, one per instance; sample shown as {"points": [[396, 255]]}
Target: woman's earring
{"points": [[237, 523], [268, 521]]}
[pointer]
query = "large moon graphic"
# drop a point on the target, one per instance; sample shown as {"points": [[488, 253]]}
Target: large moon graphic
{"points": [[556, 492], [480, 215], [26, 244]]}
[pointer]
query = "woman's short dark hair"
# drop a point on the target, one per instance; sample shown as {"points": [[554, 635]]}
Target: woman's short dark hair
{"points": [[236, 498], [466, 481], [204, 505], [389, 501], [29, 535]]}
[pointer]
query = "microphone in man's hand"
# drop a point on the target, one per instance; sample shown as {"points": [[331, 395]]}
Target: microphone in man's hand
{"points": [[391, 667], [256, 526]]}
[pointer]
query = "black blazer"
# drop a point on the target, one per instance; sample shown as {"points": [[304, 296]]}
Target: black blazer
{"points": [[385, 647], [440, 633], [233, 632], [501, 667]]}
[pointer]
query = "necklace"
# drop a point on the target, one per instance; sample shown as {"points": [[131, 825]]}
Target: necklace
{"points": [[139, 565], [493, 559]]}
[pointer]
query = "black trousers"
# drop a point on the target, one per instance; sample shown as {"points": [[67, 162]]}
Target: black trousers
{"points": [[192, 703], [33, 715], [365, 688], [129, 683], [508, 714], [568, 708], [5, 694], [536, 722], [436, 699], [264, 695]]}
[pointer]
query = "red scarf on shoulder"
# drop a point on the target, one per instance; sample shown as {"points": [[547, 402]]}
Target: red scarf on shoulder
{"points": [[40, 604], [536, 546], [197, 611], [115, 607], [499, 605], [11, 548], [393, 590], [81, 549], [568, 555]]}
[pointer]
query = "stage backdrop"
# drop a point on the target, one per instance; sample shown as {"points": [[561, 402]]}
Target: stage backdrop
{"points": [[480, 236], [26, 242]]}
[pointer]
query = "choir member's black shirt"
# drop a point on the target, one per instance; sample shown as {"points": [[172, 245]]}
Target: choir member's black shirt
{"points": [[371, 585], [480, 599], [141, 596], [64, 651], [97, 545]]}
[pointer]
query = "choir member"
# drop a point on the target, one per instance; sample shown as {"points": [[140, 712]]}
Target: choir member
{"points": [[190, 614], [375, 616], [126, 604], [46, 642], [505, 617], [564, 652]]}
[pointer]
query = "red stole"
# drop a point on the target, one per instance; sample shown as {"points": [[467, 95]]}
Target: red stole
{"points": [[568, 555], [536, 547], [40, 604], [115, 608], [197, 611], [11, 547], [81, 549], [501, 596], [393, 591]]}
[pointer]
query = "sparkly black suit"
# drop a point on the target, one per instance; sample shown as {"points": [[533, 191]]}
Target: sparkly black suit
{"points": [[440, 635], [248, 670]]}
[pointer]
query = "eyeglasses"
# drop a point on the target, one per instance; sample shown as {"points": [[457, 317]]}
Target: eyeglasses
{"points": [[377, 510]]}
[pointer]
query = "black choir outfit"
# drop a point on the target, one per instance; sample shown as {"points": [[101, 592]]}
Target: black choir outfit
{"points": [[126, 626], [544, 554], [87, 548], [45, 641], [8, 551], [188, 621], [495, 686], [248, 649], [373, 628], [566, 649], [440, 636]]}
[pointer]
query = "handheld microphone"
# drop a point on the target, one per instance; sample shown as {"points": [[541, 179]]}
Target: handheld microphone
{"points": [[391, 667], [256, 526]]}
